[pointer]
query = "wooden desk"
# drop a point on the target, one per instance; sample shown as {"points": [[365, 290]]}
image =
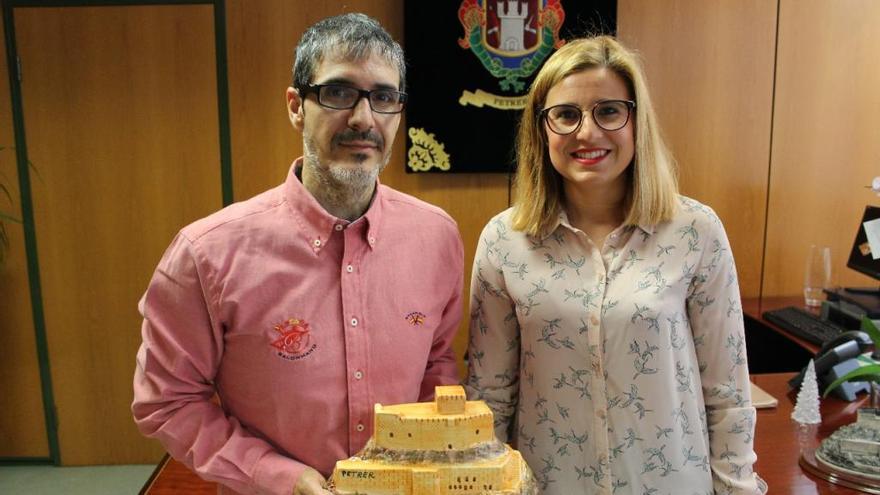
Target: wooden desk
{"points": [[775, 443], [771, 349], [753, 308]]}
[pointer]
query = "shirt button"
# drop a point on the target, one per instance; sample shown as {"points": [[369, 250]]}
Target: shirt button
{"points": [[354, 322], [349, 268], [317, 242], [359, 427], [358, 375], [372, 240], [338, 226]]}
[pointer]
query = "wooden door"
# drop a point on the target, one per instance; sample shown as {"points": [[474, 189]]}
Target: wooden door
{"points": [[23, 433], [121, 120]]}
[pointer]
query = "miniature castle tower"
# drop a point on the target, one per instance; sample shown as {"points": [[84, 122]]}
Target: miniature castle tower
{"points": [[450, 399], [513, 24]]}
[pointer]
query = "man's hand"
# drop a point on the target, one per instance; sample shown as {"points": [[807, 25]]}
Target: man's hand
{"points": [[311, 483]]}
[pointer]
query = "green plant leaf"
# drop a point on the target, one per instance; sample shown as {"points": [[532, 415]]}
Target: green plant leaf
{"points": [[869, 373], [870, 328]]}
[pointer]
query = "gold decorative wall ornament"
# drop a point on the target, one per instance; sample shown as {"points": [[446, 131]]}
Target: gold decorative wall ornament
{"points": [[426, 152]]}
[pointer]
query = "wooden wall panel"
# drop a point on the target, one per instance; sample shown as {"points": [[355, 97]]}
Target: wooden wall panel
{"points": [[825, 141], [262, 36], [22, 423], [121, 120], [710, 69]]}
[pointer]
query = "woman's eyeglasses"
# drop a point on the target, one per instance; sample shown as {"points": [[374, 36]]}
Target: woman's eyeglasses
{"points": [[610, 115]]}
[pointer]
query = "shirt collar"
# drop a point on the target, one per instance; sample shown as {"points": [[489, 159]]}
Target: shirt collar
{"points": [[316, 224], [563, 222]]}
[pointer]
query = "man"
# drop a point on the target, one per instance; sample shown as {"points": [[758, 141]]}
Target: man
{"points": [[305, 305]]}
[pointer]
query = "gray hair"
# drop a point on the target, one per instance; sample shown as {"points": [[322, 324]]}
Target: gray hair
{"points": [[355, 36]]}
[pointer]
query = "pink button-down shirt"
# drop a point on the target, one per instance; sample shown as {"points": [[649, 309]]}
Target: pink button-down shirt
{"points": [[300, 322]]}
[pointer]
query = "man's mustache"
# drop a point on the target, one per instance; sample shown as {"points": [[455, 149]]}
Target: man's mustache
{"points": [[349, 135]]}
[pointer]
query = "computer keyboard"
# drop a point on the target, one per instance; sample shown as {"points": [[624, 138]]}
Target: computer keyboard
{"points": [[804, 324]]}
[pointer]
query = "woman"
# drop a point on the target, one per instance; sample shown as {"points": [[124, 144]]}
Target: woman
{"points": [[606, 330]]}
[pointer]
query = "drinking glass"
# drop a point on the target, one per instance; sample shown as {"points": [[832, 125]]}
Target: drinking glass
{"points": [[817, 275]]}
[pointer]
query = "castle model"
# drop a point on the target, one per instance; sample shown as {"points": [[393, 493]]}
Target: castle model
{"points": [[434, 448], [855, 447]]}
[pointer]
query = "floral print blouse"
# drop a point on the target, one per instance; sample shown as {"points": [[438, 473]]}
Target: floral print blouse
{"points": [[619, 369]]}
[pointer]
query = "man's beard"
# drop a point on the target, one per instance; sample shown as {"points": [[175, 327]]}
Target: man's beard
{"points": [[341, 184]]}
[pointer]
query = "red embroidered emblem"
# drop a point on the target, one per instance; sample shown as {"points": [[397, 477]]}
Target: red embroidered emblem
{"points": [[294, 339], [415, 318]]}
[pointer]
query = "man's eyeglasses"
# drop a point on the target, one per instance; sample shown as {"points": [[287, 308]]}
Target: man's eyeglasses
{"points": [[341, 97], [609, 115]]}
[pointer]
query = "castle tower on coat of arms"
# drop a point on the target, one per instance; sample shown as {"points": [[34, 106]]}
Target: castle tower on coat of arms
{"points": [[511, 38], [513, 24]]}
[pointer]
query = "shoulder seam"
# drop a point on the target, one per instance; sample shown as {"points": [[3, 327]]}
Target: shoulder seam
{"points": [[425, 207], [207, 231]]}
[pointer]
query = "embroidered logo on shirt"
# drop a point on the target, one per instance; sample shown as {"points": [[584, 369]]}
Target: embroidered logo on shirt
{"points": [[293, 339], [415, 318]]}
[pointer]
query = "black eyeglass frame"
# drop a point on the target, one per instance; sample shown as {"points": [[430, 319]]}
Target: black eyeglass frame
{"points": [[362, 93], [630, 106]]}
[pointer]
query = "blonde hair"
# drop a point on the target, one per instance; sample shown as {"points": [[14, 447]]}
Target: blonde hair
{"points": [[653, 187]]}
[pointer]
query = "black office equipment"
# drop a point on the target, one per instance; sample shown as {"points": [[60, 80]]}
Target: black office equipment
{"points": [[804, 324], [861, 259], [837, 358], [841, 312]]}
